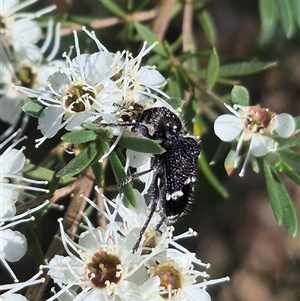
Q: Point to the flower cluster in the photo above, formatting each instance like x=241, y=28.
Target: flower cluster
x=255, y=126
x=103, y=265
x=22, y=61
x=13, y=244
x=103, y=86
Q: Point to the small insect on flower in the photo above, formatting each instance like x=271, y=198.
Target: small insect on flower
x=174, y=170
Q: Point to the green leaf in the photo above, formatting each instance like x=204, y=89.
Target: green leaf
x=33, y=242
x=77, y=137
x=290, y=158
x=114, y=8
x=267, y=10
x=296, y=10
x=288, y=170
x=240, y=95
x=38, y=173
x=254, y=164
x=289, y=142
x=181, y=77
x=280, y=200
x=208, y=26
x=211, y=178
x=91, y=153
x=222, y=149
x=147, y=35
x=286, y=17
x=141, y=145
x=120, y=175
x=173, y=88
x=297, y=121
x=244, y=68
x=175, y=102
x=212, y=70
x=229, y=163
x=33, y=108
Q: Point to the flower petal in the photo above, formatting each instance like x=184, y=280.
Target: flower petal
x=13, y=245
x=49, y=123
x=283, y=124
x=228, y=127
x=260, y=145
x=150, y=78
x=8, y=197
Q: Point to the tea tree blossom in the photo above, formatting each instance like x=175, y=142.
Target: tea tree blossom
x=26, y=74
x=12, y=161
x=22, y=61
x=103, y=265
x=13, y=244
x=255, y=127
x=19, y=31
x=102, y=86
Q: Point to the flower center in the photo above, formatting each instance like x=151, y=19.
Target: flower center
x=170, y=278
x=26, y=76
x=78, y=97
x=258, y=118
x=103, y=267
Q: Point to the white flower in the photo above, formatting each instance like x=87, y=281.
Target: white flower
x=29, y=75
x=133, y=219
x=19, y=32
x=99, y=263
x=73, y=94
x=13, y=244
x=254, y=125
x=135, y=83
x=102, y=264
x=12, y=162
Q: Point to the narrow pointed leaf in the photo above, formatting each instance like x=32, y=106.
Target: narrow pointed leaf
x=91, y=153
x=114, y=8
x=211, y=178
x=280, y=200
x=212, y=70
x=289, y=142
x=118, y=169
x=208, y=26
x=295, y=4
x=148, y=36
x=291, y=158
x=141, y=145
x=288, y=170
x=79, y=137
x=267, y=10
x=244, y=68
x=286, y=17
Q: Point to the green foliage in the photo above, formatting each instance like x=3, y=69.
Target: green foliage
x=212, y=70
x=141, y=145
x=240, y=95
x=33, y=108
x=281, y=203
x=118, y=169
x=79, y=136
x=283, y=12
x=95, y=150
